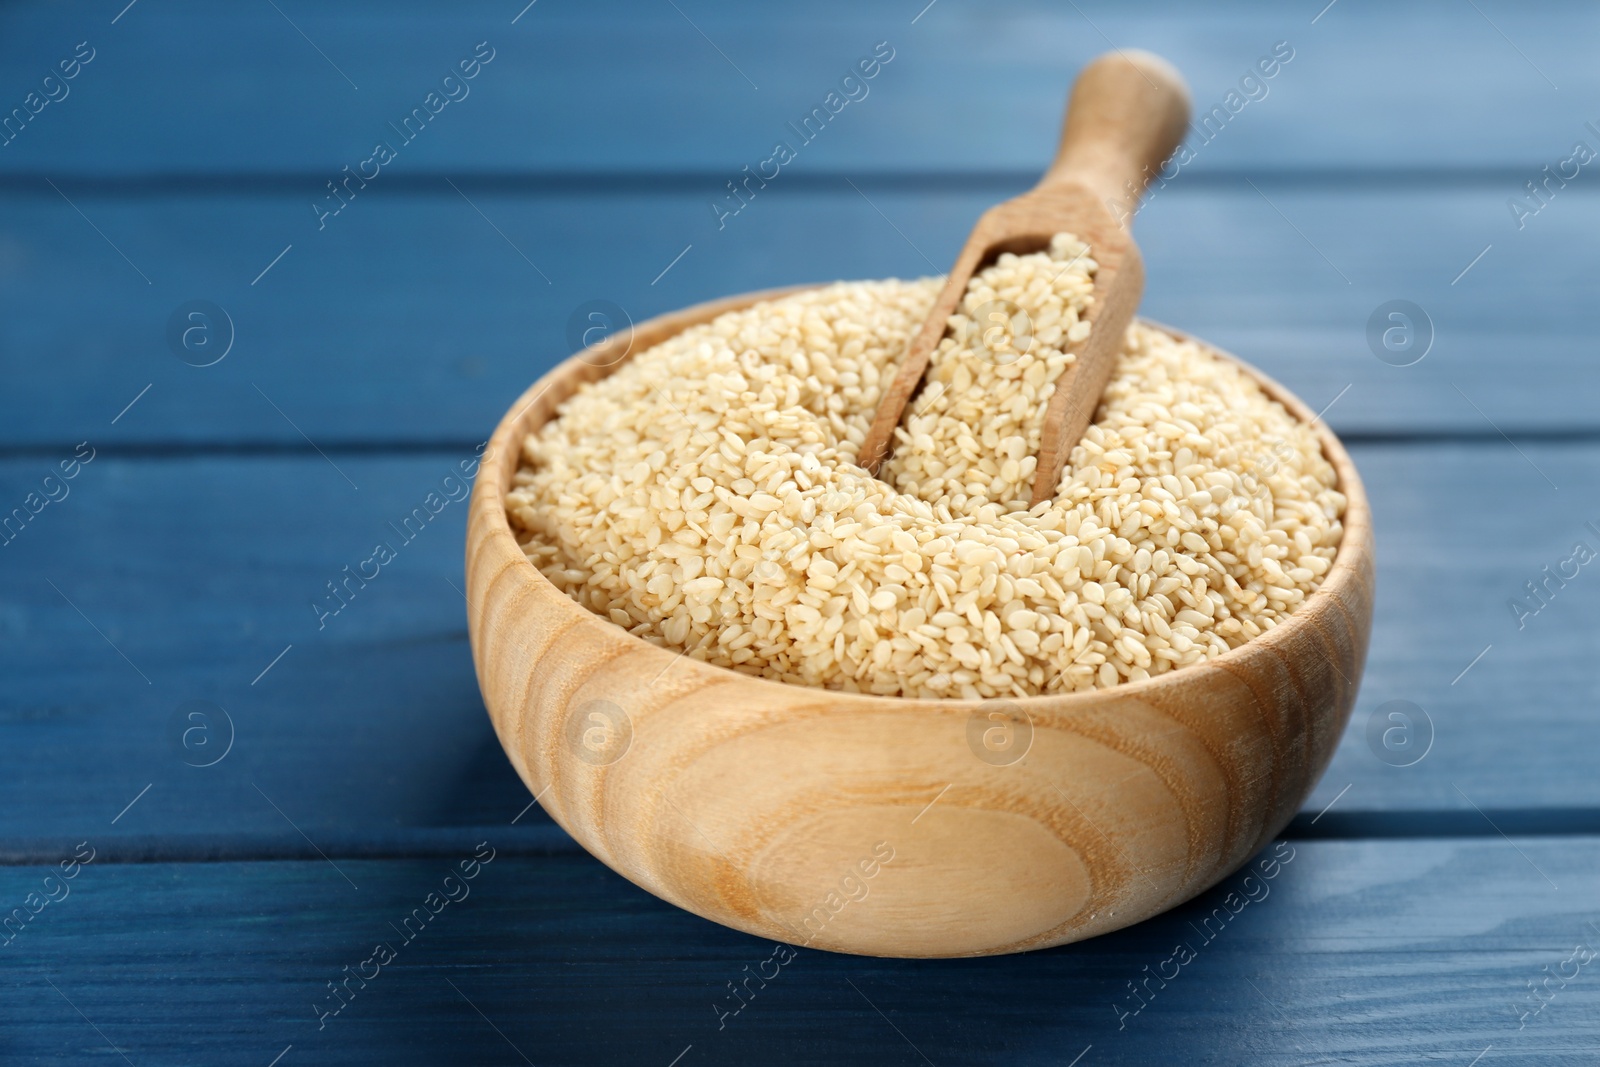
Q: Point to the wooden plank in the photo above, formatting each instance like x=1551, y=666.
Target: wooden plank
x=410, y=318
x=1462, y=530
x=190, y=87
x=201, y=571
x=370, y=722
x=1353, y=952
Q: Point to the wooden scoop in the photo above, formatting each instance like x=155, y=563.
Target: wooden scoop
x=1127, y=114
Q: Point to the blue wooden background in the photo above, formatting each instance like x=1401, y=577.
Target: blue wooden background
x=1444, y=911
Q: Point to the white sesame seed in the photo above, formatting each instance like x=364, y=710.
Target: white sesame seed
x=705, y=496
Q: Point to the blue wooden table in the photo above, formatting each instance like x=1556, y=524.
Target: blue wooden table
x=237, y=341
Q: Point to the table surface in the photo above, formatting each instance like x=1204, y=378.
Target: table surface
x=265, y=799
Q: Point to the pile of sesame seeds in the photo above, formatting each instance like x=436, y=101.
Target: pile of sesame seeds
x=705, y=497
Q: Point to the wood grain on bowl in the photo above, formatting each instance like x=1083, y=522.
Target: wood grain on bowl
x=890, y=826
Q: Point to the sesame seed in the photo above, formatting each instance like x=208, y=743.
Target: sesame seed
x=705, y=496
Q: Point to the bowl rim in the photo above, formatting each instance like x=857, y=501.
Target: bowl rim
x=504, y=450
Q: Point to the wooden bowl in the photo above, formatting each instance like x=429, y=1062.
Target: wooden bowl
x=897, y=827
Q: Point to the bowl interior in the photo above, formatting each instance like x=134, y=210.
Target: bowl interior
x=539, y=404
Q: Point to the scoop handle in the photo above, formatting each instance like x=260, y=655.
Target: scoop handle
x=1127, y=115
